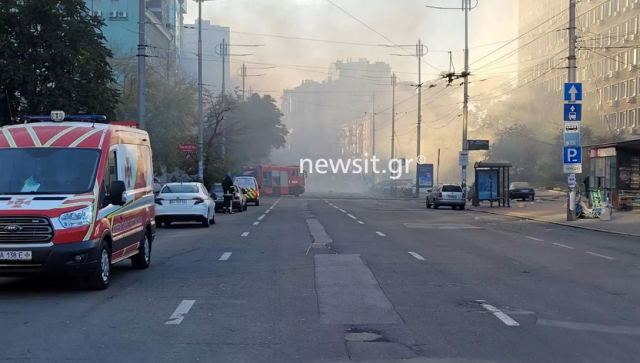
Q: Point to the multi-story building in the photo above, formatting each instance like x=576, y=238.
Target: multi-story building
x=163, y=26
x=608, y=40
x=213, y=66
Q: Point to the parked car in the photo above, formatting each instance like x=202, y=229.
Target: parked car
x=250, y=187
x=448, y=195
x=217, y=194
x=184, y=202
x=239, y=199
x=76, y=205
x=521, y=190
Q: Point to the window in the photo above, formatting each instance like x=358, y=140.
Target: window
x=622, y=120
x=607, y=94
x=614, y=92
x=623, y=89
x=631, y=121
x=631, y=88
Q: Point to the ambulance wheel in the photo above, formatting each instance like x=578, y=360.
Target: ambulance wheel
x=142, y=260
x=100, y=277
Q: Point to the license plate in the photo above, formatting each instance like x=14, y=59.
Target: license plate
x=15, y=255
x=178, y=201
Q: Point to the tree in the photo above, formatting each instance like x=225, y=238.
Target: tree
x=53, y=56
x=240, y=133
x=170, y=113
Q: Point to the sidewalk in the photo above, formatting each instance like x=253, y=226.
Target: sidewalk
x=551, y=207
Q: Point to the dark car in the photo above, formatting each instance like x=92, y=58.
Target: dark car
x=217, y=194
x=521, y=190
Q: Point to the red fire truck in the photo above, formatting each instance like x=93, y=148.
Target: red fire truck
x=277, y=179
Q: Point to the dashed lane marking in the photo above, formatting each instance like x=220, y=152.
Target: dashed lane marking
x=178, y=315
x=416, y=256
x=244, y=234
x=380, y=234
x=261, y=217
x=256, y=223
x=535, y=239
x=599, y=255
x=506, y=319
x=225, y=256
x=351, y=216
x=562, y=245
x=361, y=222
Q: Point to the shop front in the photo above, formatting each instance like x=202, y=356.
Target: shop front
x=614, y=173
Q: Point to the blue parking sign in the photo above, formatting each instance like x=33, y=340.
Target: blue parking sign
x=573, y=112
x=572, y=155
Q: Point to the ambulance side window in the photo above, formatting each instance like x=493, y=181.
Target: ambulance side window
x=110, y=175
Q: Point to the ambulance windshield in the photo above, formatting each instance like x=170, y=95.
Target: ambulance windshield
x=48, y=170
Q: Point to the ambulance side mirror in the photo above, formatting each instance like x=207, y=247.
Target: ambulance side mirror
x=116, y=194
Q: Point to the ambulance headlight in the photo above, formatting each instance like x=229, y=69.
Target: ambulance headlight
x=77, y=218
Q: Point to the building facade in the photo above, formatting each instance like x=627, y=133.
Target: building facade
x=163, y=28
x=607, y=57
x=214, y=70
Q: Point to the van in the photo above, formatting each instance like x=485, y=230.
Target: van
x=76, y=196
x=250, y=187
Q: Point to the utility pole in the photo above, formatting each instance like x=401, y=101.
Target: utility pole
x=223, y=53
x=373, y=124
x=419, y=54
x=393, y=115
x=465, y=107
x=438, y=168
x=393, y=126
x=141, y=61
x=243, y=74
x=200, y=120
x=572, y=78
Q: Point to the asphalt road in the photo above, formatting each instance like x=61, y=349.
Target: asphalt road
x=333, y=280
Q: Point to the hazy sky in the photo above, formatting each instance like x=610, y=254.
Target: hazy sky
x=402, y=21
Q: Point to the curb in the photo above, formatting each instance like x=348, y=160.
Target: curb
x=556, y=223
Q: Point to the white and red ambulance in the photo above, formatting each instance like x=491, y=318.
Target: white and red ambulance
x=76, y=195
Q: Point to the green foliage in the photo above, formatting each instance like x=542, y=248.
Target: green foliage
x=53, y=56
x=169, y=116
x=240, y=134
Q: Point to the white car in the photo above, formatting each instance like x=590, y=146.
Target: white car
x=184, y=202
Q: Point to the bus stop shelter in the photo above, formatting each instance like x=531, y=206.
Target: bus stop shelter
x=491, y=183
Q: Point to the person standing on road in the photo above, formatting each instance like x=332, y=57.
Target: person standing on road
x=227, y=188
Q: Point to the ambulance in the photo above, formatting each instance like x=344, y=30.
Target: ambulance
x=76, y=196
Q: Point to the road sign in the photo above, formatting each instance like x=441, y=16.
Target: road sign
x=464, y=158
x=571, y=139
x=188, y=148
x=477, y=144
x=572, y=155
x=572, y=168
x=571, y=181
x=572, y=127
x=573, y=92
x=425, y=175
x=572, y=112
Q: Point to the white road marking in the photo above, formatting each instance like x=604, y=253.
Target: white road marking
x=256, y=223
x=535, y=239
x=599, y=255
x=267, y=211
x=225, y=256
x=361, y=222
x=342, y=210
x=506, y=319
x=417, y=256
x=381, y=234
x=564, y=246
x=244, y=234
x=178, y=315
x=351, y=216
x=261, y=217
x=613, y=329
